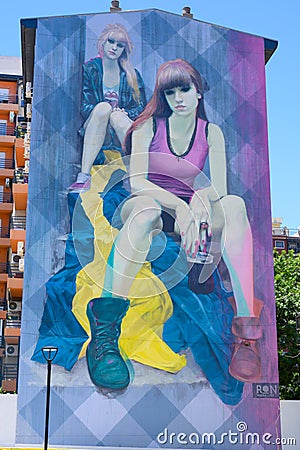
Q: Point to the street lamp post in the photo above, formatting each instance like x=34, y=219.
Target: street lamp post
x=49, y=354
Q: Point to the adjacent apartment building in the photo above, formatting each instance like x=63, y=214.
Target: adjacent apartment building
x=15, y=118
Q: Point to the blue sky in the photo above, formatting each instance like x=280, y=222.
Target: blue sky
x=273, y=19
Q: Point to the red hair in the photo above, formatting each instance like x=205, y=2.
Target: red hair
x=171, y=74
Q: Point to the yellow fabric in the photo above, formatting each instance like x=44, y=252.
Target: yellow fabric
x=150, y=303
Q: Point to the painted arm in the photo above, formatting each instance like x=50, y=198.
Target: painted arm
x=90, y=91
x=212, y=191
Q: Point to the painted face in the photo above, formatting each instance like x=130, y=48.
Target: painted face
x=183, y=100
x=113, y=49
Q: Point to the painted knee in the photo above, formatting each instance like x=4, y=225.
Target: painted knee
x=102, y=111
x=118, y=118
x=146, y=214
x=235, y=209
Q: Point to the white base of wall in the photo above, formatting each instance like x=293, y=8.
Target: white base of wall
x=8, y=418
x=290, y=413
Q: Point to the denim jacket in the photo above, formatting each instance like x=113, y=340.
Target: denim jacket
x=92, y=92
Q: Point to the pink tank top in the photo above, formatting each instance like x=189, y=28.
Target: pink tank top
x=170, y=172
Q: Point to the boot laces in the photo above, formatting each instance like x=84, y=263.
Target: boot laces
x=106, y=338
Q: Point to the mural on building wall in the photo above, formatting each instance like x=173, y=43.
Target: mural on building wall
x=159, y=279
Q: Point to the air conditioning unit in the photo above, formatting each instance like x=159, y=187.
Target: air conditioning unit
x=21, y=265
x=14, y=306
x=7, y=183
x=15, y=258
x=20, y=248
x=11, y=350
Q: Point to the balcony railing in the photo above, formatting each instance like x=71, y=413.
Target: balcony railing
x=6, y=197
x=10, y=371
x=4, y=267
x=20, y=176
x=4, y=231
x=7, y=163
x=14, y=270
x=7, y=129
x=2, y=342
x=3, y=304
x=18, y=223
x=13, y=320
x=8, y=98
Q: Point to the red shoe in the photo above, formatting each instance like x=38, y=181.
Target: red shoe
x=245, y=363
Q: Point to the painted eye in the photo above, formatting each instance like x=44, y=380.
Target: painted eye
x=111, y=41
x=185, y=88
x=170, y=92
x=120, y=45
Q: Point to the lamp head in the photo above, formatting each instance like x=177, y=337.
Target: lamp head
x=49, y=352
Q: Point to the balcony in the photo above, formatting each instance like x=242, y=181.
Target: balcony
x=9, y=377
x=4, y=232
x=2, y=346
x=3, y=304
x=4, y=267
x=6, y=201
x=20, y=152
x=20, y=194
x=14, y=270
x=12, y=330
x=9, y=98
x=13, y=320
x=18, y=223
x=17, y=231
x=7, y=129
x=15, y=286
x=6, y=168
x=21, y=176
x=3, y=308
x=4, y=237
x=7, y=163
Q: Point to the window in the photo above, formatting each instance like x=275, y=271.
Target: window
x=4, y=95
x=279, y=244
x=3, y=125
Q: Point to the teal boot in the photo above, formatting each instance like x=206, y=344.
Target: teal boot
x=106, y=366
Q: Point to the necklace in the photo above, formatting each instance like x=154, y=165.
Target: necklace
x=191, y=143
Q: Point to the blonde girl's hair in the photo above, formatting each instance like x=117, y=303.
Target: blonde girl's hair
x=119, y=33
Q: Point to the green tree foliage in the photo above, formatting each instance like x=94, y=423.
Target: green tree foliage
x=287, y=294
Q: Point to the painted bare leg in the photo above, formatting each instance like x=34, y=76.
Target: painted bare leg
x=94, y=135
x=236, y=241
x=238, y=255
x=141, y=215
x=120, y=122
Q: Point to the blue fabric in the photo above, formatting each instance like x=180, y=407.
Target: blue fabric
x=59, y=326
x=201, y=322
